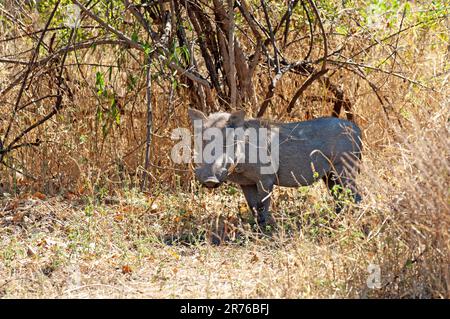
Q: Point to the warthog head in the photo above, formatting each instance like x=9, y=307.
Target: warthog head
x=217, y=151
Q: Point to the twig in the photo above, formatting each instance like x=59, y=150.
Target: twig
x=361, y=74
x=398, y=75
x=311, y=32
x=11, y=61
x=269, y=95
x=271, y=37
x=138, y=16
x=108, y=27
x=242, y=5
x=339, y=100
x=310, y=80
x=395, y=51
x=194, y=18
x=278, y=74
x=34, y=179
x=33, y=126
x=37, y=100
x=27, y=34
x=231, y=54
x=393, y=35
x=288, y=14
x=324, y=35
x=149, y=120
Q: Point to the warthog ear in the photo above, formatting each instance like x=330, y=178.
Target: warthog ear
x=236, y=118
x=196, y=115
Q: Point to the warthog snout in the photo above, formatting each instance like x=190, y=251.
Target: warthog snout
x=211, y=182
x=211, y=176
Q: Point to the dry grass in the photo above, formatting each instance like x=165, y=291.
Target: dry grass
x=93, y=235
x=140, y=246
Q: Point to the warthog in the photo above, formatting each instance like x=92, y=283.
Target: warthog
x=325, y=148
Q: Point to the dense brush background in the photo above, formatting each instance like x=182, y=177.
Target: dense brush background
x=75, y=220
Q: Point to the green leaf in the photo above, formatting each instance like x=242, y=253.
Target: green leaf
x=147, y=48
x=409, y=263
x=115, y=112
x=100, y=83
x=135, y=37
x=131, y=82
x=110, y=73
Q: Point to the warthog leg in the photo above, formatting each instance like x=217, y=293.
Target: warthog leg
x=258, y=199
x=344, y=181
x=251, y=195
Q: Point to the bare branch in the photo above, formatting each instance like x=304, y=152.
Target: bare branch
x=139, y=17
x=11, y=61
x=310, y=80
x=148, y=91
x=272, y=37
x=271, y=90
x=324, y=35
x=370, y=67
x=311, y=32
x=54, y=55
x=233, y=89
x=108, y=27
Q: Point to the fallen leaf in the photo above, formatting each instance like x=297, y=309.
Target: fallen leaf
x=126, y=269
x=12, y=205
x=154, y=207
x=70, y=196
x=50, y=244
x=243, y=208
x=244, y=211
x=254, y=259
x=174, y=254
x=119, y=217
x=38, y=195
x=80, y=190
x=30, y=251
x=42, y=243
x=126, y=209
x=18, y=217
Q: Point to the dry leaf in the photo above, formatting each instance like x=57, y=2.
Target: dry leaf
x=243, y=208
x=81, y=190
x=42, y=243
x=50, y=243
x=126, y=209
x=12, y=205
x=154, y=207
x=30, y=251
x=126, y=269
x=70, y=196
x=119, y=217
x=174, y=254
x=18, y=217
x=38, y=195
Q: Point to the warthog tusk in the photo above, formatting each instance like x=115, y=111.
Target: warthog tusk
x=232, y=168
